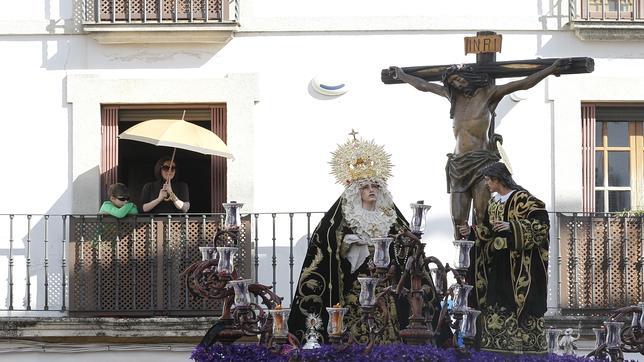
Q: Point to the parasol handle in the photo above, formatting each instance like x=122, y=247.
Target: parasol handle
x=174, y=151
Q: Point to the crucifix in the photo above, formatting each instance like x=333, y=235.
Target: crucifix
x=474, y=96
x=353, y=133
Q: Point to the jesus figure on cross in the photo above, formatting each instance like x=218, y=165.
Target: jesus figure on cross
x=474, y=98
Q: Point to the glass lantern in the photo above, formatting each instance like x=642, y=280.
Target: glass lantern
x=418, y=216
x=335, y=327
x=612, y=334
x=226, y=263
x=552, y=337
x=600, y=336
x=635, y=322
x=381, y=257
x=232, y=214
x=440, y=279
x=368, y=291
x=468, y=327
x=280, y=319
x=462, y=256
x=242, y=296
x=208, y=253
x=461, y=292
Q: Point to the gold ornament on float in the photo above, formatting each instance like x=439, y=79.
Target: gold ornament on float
x=358, y=159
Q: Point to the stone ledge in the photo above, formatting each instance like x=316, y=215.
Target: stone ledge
x=107, y=330
x=608, y=30
x=574, y=321
x=161, y=33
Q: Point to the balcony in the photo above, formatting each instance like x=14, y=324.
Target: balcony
x=608, y=20
x=95, y=277
x=91, y=275
x=601, y=264
x=160, y=21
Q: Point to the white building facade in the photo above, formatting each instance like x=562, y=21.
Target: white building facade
x=62, y=69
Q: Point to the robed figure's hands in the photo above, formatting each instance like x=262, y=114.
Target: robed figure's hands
x=355, y=249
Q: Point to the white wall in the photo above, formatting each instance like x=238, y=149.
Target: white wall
x=282, y=133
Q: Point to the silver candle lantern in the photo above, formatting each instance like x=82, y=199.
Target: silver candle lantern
x=368, y=291
x=242, y=296
x=461, y=292
x=226, y=263
x=232, y=214
x=552, y=338
x=208, y=253
x=600, y=336
x=468, y=327
x=440, y=279
x=462, y=253
x=612, y=334
x=335, y=327
x=280, y=319
x=418, y=217
x=381, y=257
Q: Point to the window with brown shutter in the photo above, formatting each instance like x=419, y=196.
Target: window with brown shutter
x=132, y=162
x=613, y=157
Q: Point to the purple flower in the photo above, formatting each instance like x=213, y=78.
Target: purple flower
x=356, y=353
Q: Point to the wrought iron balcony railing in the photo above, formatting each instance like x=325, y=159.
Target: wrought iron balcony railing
x=89, y=265
x=93, y=265
x=601, y=262
x=160, y=11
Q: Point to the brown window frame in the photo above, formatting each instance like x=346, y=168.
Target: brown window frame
x=109, y=146
x=590, y=149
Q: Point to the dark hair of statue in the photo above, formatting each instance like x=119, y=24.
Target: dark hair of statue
x=474, y=81
x=498, y=171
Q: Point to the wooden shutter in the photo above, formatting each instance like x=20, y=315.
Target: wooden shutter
x=218, y=164
x=109, y=148
x=588, y=156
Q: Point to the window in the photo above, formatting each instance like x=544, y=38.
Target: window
x=613, y=137
x=132, y=162
x=611, y=9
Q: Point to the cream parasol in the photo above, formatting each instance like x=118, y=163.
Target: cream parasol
x=178, y=133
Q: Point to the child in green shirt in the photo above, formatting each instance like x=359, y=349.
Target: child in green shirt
x=119, y=204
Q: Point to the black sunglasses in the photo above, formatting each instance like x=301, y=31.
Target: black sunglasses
x=168, y=168
x=125, y=198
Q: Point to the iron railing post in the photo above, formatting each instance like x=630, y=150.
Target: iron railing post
x=274, y=257
x=46, y=263
x=63, y=264
x=290, y=259
x=28, y=262
x=11, y=262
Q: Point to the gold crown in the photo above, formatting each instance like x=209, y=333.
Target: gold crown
x=358, y=159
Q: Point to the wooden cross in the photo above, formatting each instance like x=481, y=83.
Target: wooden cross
x=473, y=103
x=486, y=63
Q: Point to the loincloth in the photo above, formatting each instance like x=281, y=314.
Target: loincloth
x=464, y=170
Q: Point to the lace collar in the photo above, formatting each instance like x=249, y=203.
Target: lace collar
x=502, y=198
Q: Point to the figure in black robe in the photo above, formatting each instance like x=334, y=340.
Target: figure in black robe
x=510, y=269
x=327, y=278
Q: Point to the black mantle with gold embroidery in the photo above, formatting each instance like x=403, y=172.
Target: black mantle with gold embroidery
x=326, y=277
x=510, y=274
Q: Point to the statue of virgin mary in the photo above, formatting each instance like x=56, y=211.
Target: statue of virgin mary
x=339, y=249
